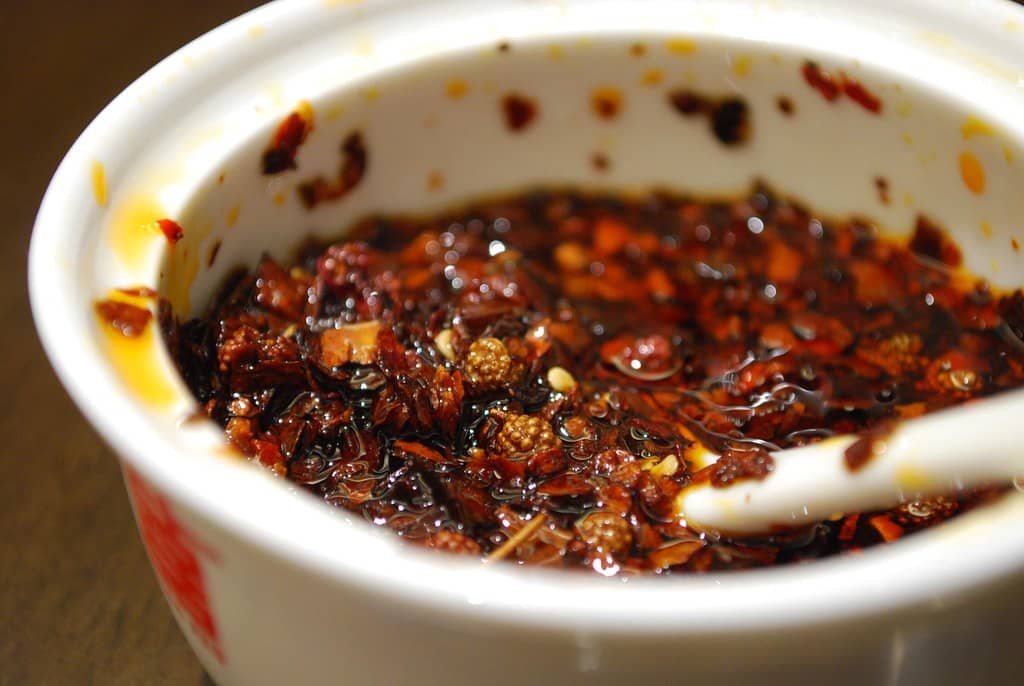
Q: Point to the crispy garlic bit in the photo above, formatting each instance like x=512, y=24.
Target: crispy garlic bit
x=443, y=341
x=666, y=467
x=350, y=343
x=561, y=380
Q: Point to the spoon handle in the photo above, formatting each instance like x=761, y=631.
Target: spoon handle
x=972, y=445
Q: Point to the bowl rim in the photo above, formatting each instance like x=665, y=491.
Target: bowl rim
x=729, y=602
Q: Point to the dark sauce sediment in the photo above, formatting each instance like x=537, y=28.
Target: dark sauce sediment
x=528, y=377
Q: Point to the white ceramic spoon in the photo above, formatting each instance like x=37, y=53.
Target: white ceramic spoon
x=975, y=444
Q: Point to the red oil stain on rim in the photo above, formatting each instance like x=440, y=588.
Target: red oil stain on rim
x=174, y=553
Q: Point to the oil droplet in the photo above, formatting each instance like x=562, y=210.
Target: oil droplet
x=937, y=38
x=681, y=46
x=606, y=102
x=99, y=183
x=186, y=263
x=986, y=229
x=133, y=232
x=435, y=180
x=233, y=213
x=205, y=136
x=652, y=77
x=364, y=46
x=279, y=198
x=973, y=126
x=1008, y=154
x=972, y=172
x=371, y=94
x=305, y=110
x=456, y=88
x=920, y=509
x=555, y=51
x=907, y=138
x=334, y=112
x=911, y=477
x=741, y=65
x=256, y=31
x=137, y=359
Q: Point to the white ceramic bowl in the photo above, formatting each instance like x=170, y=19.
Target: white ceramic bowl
x=271, y=586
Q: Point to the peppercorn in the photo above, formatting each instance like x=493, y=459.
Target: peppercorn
x=921, y=513
x=953, y=374
x=488, y=366
x=895, y=354
x=453, y=542
x=605, y=533
x=523, y=434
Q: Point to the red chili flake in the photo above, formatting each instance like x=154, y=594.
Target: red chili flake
x=138, y=292
x=606, y=102
x=412, y=449
x=1015, y=245
x=212, y=256
x=821, y=81
x=886, y=528
x=729, y=117
x=736, y=465
x=171, y=229
x=600, y=162
x=610, y=236
x=355, y=161
x=856, y=91
x=849, y=528
x=882, y=186
x=128, y=319
x=860, y=452
x=688, y=103
x=290, y=134
x=730, y=121
x=520, y=111
x=932, y=242
x=785, y=105
x=567, y=484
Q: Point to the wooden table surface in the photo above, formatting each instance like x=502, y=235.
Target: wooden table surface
x=78, y=602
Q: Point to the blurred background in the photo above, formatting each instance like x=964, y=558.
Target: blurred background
x=78, y=602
